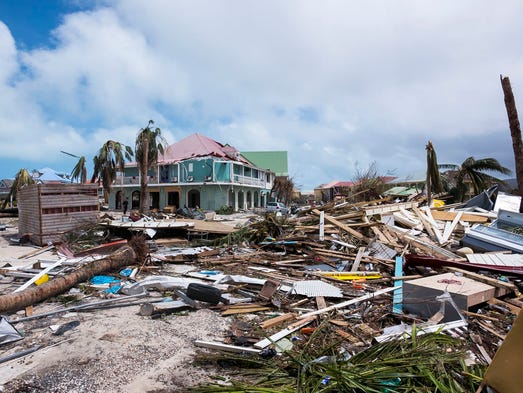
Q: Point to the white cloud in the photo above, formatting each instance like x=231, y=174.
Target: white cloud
x=335, y=83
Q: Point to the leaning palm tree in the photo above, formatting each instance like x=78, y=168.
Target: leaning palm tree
x=149, y=145
x=22, y=179
x=110, y=159
x=476, y=172
x=79, y=171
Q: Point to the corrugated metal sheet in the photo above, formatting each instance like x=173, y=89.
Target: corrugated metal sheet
x=313, y=288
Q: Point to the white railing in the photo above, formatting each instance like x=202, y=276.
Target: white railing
x=249, y=180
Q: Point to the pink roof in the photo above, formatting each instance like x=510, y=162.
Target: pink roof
x=197, y=145
x=337, y=183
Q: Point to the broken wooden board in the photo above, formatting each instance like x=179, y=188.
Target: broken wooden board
x=285, y=332
x=269, y=323
x=450, y=216
x=357, y=260
x=226, y=347
x=342, y=226
x=244, y=310
x=504, y=373
x=348, y=302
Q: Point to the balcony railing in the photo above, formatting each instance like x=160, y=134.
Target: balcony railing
x=249, y=180
x=238, y=179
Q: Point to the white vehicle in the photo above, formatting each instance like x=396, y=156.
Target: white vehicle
x=276, y=207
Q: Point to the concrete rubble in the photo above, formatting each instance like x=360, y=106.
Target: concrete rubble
x=355, y=275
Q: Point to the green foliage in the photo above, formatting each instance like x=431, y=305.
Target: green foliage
x=256, y=232
x=225, y=210
x=79, y=172
x=427, y=363
x=474, y=171
x=148, y=146
x=110, y=159
x=22, y=179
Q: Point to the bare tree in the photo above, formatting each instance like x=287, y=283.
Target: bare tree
x=282, y=189
x=515, y=132
x=367, y=184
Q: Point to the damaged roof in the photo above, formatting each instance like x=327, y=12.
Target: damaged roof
x=197, y=145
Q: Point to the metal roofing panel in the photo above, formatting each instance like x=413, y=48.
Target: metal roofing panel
x=313, y=288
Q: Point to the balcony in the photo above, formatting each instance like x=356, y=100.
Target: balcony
x=250, y=181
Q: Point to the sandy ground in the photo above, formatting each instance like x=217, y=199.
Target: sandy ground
x=111, y=350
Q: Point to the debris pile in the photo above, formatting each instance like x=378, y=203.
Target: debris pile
x=375, y=296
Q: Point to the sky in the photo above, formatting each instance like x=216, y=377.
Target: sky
x=340, y=85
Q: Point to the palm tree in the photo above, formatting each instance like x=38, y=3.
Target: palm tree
x=79, y=171
x=110, y=159
x=474, y=171
x=433, y=175
x=149, y=144
x=22, y=179
x=515, y=132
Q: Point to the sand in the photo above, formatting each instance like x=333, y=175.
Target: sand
x=111, y=350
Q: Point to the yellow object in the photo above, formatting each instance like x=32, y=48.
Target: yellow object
x=438, y=203
x=351, y=275
x=42, y=280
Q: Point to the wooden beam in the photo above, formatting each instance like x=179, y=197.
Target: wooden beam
x=450, y=216
x=342, y=226
x=487, y=280
x=349, y=302
x=269, y=323
x=226, y=347
x=357, y=261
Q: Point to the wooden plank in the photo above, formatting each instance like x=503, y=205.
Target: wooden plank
x=269, y=323
x=38, y=276
x=320, y=302
x=389, y=208
x=357, y=260
x=244, y=310
x=226, y=347
x=513, y=309
x=349, y=302
x=397, y=300
x=285, y=332
x=492, y=331
x=342, y=226
x=430, y=225
x=450, y=216
x=508, y=287
x=338, y=322
x=448, y=230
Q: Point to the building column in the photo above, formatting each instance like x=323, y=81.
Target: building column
x=235, y=193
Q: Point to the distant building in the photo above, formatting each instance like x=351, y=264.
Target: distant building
x=275, y=161
x=200, y=172
x=5, y=189
x=50, y=176
x=336, y=189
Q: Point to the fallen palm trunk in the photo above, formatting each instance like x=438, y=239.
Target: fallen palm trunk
x=18, y=300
